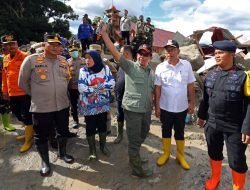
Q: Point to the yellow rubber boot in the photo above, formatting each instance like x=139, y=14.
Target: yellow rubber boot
x=20, y=137
x=28, y=138
x=213, y=182
x=166, y=143
x=180, y=154
x=239, y=180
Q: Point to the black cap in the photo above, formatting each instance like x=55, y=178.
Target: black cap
x=172, y=43
x=52, y=38
x=148, y=19
x=146, y=48
x=7, y=39
x=225, y=45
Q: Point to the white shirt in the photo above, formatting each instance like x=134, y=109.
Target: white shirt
x=125, y=24
x=173, y=81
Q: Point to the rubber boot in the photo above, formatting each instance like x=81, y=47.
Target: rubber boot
x=75, y=124
x=92, y=148
x=6, y=122
x=180, y=154
x=20, y=137
x=62, y=142
x=238, y=180
x=119, y=132
x=213, y=182
x=166, y=143
x=108, y=123
x=137, y=170
x=28, y=133
x=44, y=154
x=103, y=147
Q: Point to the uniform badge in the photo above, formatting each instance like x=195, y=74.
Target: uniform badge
x=39, y=59
x=43, y=76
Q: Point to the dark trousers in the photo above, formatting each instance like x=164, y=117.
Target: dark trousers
x=170, y=120
x=4, y=106
x=126, y=37
x=85, y=44
x=94, y=122
x=235, y=148
x=120, y=113
x=20, y=106
x=74, y=97
x=44, y=122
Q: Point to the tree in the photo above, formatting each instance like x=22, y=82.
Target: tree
x=133, y=19
x=28, y=20
x=96, y=19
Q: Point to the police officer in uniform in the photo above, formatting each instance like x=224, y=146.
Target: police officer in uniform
x=45, y=77
x=137, y=101
x=226, y=109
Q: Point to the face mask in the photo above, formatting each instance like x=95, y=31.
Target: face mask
x=74, y=54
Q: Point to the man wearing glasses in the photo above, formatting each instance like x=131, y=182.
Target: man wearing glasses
x=137, y=100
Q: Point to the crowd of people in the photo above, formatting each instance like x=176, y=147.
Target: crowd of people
x=43, y=89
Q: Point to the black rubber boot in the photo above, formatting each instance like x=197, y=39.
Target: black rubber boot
x=92, y=148
x=62, y=142
x=75, y=124
x=44, y=154
x=103, y=147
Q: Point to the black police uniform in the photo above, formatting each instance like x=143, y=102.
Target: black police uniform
x=224, y=106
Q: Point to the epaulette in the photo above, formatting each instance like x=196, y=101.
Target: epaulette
x=240, y=66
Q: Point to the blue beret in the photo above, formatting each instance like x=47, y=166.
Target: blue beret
x=225, y=45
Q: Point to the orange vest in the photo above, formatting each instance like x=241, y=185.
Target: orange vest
x=10, y=73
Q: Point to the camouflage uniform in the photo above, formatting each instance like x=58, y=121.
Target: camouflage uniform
x=149, y=29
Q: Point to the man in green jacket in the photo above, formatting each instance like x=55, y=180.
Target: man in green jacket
x=137, y=100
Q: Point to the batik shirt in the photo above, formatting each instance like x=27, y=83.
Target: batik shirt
x=94, y=91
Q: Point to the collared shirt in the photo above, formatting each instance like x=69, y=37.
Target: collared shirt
x=46, y=81
x=139, y=86
x=125, y=24
x=174, y=81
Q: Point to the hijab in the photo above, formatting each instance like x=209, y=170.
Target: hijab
x=98, y=64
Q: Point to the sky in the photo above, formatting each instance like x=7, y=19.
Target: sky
x=183, y=16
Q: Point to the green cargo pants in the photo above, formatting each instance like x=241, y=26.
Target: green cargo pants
x=137, y=127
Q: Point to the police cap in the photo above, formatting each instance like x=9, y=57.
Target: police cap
x=225, y=45
x=52, y=38
x=7, y=39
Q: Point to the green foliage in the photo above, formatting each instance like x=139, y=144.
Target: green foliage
x=96, y=19
x=28, y=20
x=134, y=19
